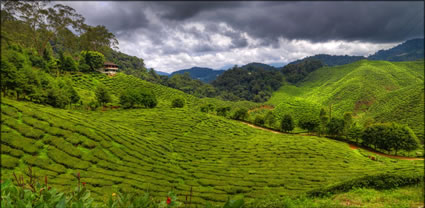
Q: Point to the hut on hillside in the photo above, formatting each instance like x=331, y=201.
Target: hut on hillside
x=109, y=68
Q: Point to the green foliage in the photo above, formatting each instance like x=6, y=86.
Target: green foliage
x=270, y=119
x=102, y=94
x=335, y=127
x=92, y=59
x=259, y=120
x=355, y=132
x=67, y=63
x=252, y=84
x=207, y=108
x=222, y=111
x=295, y=72
x=98, y=38
x=188, y=85
x=135, y=149
x=373, y=91
x=130, y=97
x=240, y=114
x=177, y=103
x=287, y=123
x=376, y=181
x=348, y=122
x=387, y=136
x=323, y=116
x=310, y=124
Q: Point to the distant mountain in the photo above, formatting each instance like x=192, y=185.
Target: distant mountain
x=408, y=51
x=277, y=65
x=331, y=60
x=255, y=65
x=162, y=73
x=203, y=74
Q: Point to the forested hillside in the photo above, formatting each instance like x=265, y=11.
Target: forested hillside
x=252, y=84
x=410, y=50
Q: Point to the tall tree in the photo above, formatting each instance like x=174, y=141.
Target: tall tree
x=97, y=38
x=323, y=116
x=102, y=94
x=46, y=22
x=335, y=127
x=287, y=123
x=94, y=60
x=348, y=121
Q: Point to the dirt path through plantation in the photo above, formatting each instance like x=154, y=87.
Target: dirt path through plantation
x=352, y=146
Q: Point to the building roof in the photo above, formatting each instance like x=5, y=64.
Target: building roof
x=109, y=63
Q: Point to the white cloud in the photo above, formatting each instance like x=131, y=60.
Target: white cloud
x=286, y=51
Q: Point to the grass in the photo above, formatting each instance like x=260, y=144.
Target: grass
x=163, y=149
x=405, y=197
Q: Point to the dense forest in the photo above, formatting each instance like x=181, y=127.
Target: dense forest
x=331, y=60
x=250, y=84
x=297, y=71
x=408, y=51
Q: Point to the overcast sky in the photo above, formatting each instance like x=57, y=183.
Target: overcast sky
x=177, y=35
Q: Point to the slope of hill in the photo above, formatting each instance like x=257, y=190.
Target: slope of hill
x=331, y=60
x=86, y=84
x=203, y=74
x=162, y=73
x=360, y=87
x=410, y=50
x=144, y=150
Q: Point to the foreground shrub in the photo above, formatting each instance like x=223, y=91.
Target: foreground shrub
x=380, y=181
x=32, y=193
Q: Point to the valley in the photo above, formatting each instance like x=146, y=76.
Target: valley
x=337, y=121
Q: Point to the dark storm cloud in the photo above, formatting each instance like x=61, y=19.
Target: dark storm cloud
x=267, y=21
x=178, y=11
x=315, y=21
x=182, y=34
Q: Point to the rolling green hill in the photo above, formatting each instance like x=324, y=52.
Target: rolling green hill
x=144, y=150
x=379, y=90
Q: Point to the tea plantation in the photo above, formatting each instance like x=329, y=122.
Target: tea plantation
x=162, y=149
x=377, y=91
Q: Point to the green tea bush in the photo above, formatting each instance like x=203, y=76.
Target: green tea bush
x=379, y=181
x=10, y=111
x=177, y=103
x=8, y=161
x=17, y=141
x=11, y=151
x=69, y=161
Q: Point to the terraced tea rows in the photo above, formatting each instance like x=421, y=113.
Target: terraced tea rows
x=372, y=90
x=160, y=149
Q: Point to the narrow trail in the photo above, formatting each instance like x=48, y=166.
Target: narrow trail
x=352, y=146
